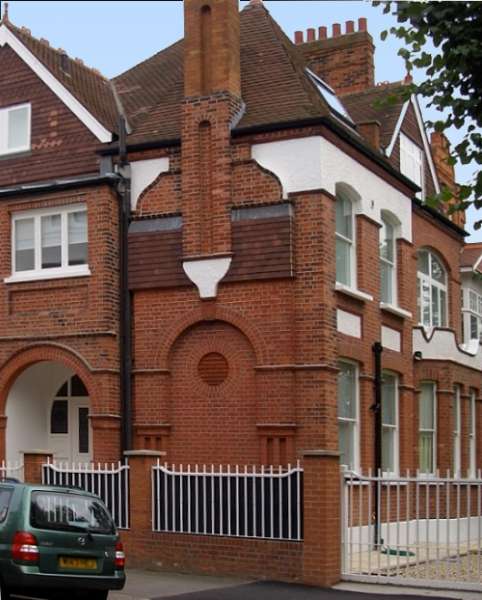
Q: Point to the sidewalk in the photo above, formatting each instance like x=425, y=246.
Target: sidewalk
x=150, y=585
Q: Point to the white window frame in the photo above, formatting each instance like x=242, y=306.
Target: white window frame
x=412, y=162
x=396, y=427
x=456, y=431
x=472, y=432
x=431, y=282
x=471, y=297
x=37, y=272
x=433, y=431
x=4, y=129
x=391, y=264
x=356, y=421
x=352, y=280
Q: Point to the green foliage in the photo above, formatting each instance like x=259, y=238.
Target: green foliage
x=453, y=82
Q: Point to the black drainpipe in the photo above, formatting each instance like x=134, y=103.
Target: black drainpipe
x=377, y=349
x=125, y=318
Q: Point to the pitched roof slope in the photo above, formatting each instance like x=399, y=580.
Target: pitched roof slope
x=90, y=88
x=372, y=105
x=274, y=85
x=470, y=256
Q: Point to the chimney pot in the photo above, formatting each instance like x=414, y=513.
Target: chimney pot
x=350, y=26
x=362, y=24
x=322, y=33
x=336, y=29
x=299, y=37
x=310, y=34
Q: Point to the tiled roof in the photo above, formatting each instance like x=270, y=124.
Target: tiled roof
x=274, y=85
x=89, y=87
x=470, y=255
x=371, y=105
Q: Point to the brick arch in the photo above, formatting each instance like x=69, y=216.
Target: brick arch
x=47, y=352
x=216, y=314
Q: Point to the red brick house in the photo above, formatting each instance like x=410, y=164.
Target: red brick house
x=277, y=241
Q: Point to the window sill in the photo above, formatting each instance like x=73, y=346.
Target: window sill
x=352, y=292
x=64, y=274
x=396, y=310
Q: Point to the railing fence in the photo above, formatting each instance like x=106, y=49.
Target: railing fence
x=14, y=470
x=108, y=481
x=412, y=530
x=251, y=502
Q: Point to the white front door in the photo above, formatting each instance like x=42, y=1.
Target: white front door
x=70, y=433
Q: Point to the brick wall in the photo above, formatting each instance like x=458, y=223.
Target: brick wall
x=60, y=145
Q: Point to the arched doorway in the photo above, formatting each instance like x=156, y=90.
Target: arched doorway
x=48, y=408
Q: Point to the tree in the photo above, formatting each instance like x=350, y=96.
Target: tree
x=453, y=73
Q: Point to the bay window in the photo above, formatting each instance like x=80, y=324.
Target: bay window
x=427, y=428
x=348, y=415
x=49, y=243
x=431, y=290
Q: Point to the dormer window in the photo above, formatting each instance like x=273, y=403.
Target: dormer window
x=15, y=129
x=411, y=162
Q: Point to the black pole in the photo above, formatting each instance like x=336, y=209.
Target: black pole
x=125, y=321
x=377, y=409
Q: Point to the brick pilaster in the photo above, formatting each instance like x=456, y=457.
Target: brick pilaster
x=322, y=514
x=33, y=461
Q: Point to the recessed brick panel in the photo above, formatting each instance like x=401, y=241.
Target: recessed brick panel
x=213, y=368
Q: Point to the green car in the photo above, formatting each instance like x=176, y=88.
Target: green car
x=57, y=543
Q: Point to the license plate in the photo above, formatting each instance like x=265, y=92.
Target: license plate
x=82, y=564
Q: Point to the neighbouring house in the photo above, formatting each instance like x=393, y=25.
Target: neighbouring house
x=207, y=255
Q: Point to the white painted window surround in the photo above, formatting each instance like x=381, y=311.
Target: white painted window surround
x=345, y=233
x=348, y=415
x=472, y=415
x=412, y=161
x=472, y=314
x=432, y=286
x=49, y=244
x=15, y=129
x=457, y=425
x=427, y=445
x=390, y=427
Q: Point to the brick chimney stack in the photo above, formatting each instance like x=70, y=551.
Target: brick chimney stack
x=211, y=47
x=445, y=172
x=345, y=60
x=211, y=106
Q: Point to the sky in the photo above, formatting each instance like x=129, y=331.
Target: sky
x=113, y=36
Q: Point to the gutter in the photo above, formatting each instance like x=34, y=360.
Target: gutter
x=441, y=217
x=58, y=185
x=150, y=145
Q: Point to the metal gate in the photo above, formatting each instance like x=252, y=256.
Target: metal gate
x=413, y=530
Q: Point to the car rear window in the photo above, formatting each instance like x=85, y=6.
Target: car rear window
x=69, y=512
x=5, y=498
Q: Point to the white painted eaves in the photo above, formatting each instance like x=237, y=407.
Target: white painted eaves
x=78, y=109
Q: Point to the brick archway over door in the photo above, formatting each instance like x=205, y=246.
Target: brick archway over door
x=213, y=396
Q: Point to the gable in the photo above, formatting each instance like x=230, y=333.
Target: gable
x=61, y=145
x=410, y=123
x=8, y=38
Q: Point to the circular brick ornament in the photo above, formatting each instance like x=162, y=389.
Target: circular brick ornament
x=213, y=368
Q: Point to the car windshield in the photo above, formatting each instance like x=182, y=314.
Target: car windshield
x=69, y=512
